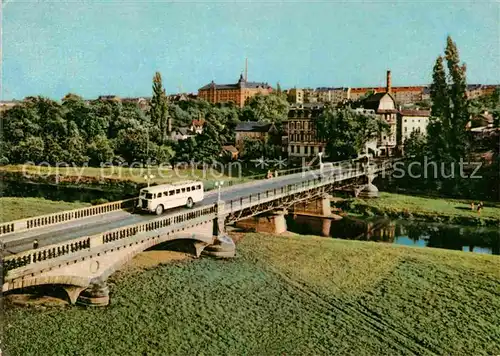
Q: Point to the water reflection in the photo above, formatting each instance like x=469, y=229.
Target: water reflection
x=422, y=234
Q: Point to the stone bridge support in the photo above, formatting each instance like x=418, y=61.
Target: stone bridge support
x=369, y=190
x=273, y=222
x=316, y=214
x=223, y=246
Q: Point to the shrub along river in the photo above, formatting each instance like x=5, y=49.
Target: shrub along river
x=413, y=233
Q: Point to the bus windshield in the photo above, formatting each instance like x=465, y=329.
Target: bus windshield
x=149, y=196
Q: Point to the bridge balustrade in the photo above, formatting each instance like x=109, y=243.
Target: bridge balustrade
x=53, y=251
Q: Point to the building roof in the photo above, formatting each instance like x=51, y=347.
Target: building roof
x=242, y=83
x=254, y=126
x=199, y=122
x=425, y=113
x=373, y=102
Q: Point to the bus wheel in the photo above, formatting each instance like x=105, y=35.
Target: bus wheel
x=190, y=203
x=159, y=209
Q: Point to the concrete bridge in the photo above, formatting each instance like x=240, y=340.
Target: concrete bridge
x=80, y=249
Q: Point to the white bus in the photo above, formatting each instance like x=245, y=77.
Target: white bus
x=158, y=198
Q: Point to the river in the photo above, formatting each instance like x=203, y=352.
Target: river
x=414, y=233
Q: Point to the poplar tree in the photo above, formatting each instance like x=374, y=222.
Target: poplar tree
x=447, y=136
x=459, y=113
x=159, y=108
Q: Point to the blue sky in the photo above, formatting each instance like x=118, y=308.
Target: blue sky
x=114, y=47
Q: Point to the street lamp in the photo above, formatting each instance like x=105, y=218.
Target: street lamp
x=148, y=177
x=219, y=186
x=320, y=154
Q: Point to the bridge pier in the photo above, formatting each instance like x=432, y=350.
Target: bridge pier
x=223, y=246
x=73, y=293
x=369, y=190
x=96, y=295
x=316, y=214
x=271, y=222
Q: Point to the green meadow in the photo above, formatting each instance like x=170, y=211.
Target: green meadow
x=281, y=295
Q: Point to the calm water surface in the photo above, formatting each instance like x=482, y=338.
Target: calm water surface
x=411, y=233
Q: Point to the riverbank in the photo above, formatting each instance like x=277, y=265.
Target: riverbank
x=290, y=295
x=21, y=208
x=401, y=206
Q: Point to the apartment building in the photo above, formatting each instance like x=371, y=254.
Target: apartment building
x=303, y=140
x=410, y=121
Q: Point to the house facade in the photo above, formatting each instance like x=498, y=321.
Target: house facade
x=410, y=121
x=302, y=134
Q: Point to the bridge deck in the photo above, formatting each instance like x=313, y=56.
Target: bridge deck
x=23, y=240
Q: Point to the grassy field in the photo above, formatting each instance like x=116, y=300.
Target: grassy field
x=161, y=175
x=20, y=208
x=447, y=210
x=282, y=296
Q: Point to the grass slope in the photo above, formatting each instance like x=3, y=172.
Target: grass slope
x=399, y=205
x=20, y=208
x=283, y=296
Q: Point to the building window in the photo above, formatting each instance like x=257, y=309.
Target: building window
x=292, y=149
x=306, y=149
x=406, y=129
x=320, y=149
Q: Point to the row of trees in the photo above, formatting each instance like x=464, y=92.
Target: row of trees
x=75, y=131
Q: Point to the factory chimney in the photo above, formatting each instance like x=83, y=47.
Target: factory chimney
x=389, y=83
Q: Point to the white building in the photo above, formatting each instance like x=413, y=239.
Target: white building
x=410, y=121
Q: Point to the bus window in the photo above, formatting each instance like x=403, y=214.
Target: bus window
x=177, y=191
x=171, y=192
x=193, y=187
x=199, y=187
x=188, y=189
x=184, y=190
x=158, y=195
x=149, y=196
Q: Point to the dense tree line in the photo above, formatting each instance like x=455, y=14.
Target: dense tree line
x=79, y=132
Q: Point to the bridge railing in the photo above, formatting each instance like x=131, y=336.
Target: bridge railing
x=64, y=216
x=53, y=251
x=239, y=204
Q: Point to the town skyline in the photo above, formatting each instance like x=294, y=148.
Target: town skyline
x=94, y=50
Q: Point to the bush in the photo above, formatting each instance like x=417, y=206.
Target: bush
x=4, y=161
x=99, y=201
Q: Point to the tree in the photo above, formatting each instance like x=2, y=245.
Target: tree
x=267, y=108
x=347, y=132
x=415, y=144
x=447, y=136
x=159, y=109
x=99, y=150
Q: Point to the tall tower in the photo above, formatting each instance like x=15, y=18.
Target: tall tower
x=388, y=82
x=246, y=69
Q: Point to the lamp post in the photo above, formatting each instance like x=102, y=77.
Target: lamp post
x=219, y=186
x=320, y=154
x=148, y=178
